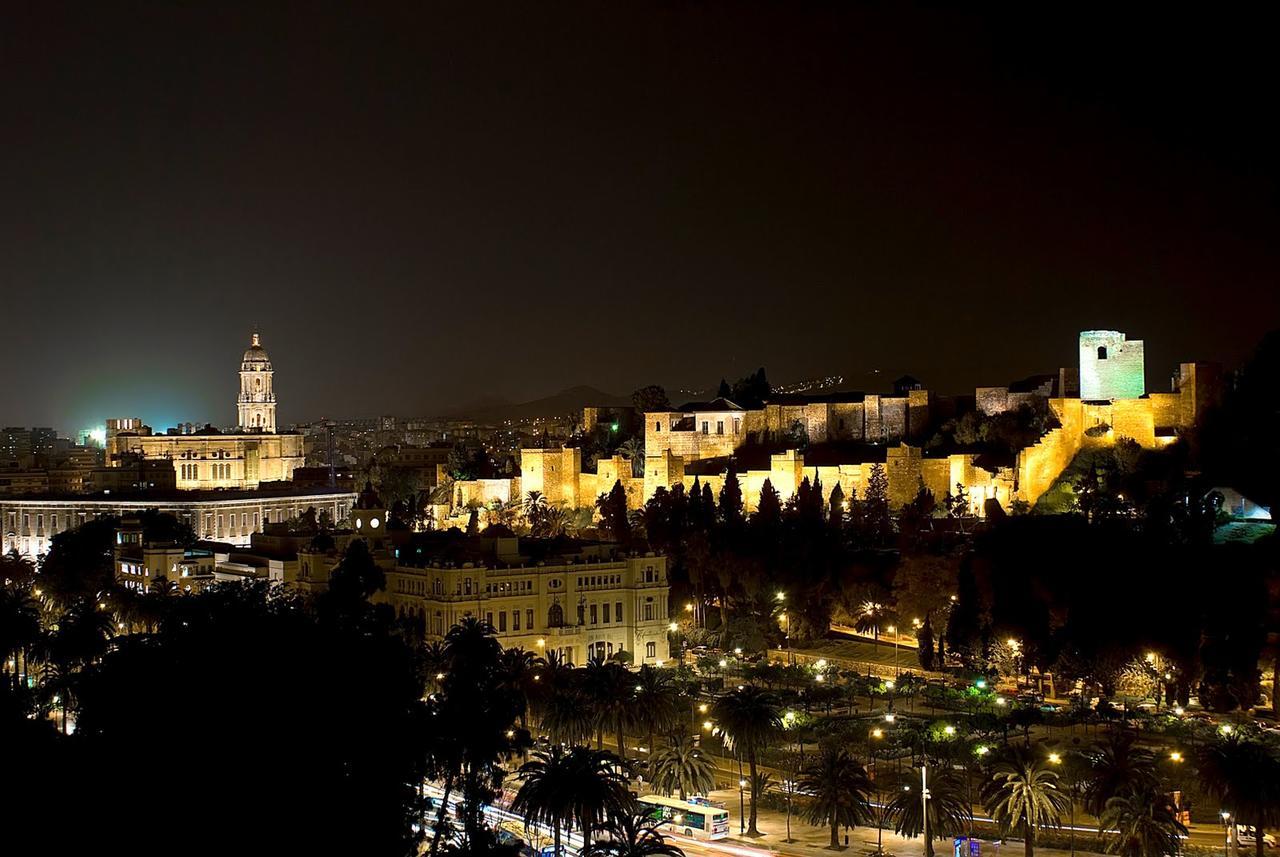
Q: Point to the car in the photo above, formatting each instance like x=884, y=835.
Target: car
x=1247, y=836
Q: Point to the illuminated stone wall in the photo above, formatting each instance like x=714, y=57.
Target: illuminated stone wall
x=553, y=473
x=874, y=418
x=205, y=461
x=1111, y=367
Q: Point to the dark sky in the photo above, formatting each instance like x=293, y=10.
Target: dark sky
x=421, y=206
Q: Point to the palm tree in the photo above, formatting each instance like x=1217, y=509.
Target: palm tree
x=682, y=767
x=544, y=796
x=633, y=450
x=748, y=718
x=611, y=691
x=632, y=834
x=1116, y=768
x=516, y=669
x=1245, y=777
x=579, y=785
x=874, y=617
x=567, y=717
x=948, y=811
x=1146, y=823
x=655, y=703
x=19, y=631
x=839, y=786
x=1023, y=793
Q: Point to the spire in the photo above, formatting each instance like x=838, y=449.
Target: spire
x=257, y=342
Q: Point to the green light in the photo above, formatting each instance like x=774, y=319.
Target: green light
x=613, y=427
x=981, y=684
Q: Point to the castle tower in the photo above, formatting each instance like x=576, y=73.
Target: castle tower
x=1111, y=367
x=257, y=402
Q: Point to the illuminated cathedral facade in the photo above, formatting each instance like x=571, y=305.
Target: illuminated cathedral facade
x=213, y=459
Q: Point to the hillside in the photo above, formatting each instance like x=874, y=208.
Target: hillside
x=570, y=401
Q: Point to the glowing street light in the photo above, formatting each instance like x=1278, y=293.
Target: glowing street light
x=541, y=642
x=949, y=729
x=877, y=732
x=703, y=708
x=889, y=717
x=1001, y=701
x=673, y=627
x=982, y=749
x=781, y=596
x=1055, y=759
x=1175, y=756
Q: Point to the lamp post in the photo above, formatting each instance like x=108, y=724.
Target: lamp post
x=742, y=802
x=1055, y=759
x=924, y=804
x=877, y=734
x=1226, y=833
x=893, y=629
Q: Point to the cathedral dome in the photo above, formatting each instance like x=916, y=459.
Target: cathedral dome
x=255, y=353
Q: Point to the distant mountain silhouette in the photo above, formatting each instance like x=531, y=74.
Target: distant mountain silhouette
x=570, y=401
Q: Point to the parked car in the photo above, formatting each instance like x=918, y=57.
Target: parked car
x=1247, y=836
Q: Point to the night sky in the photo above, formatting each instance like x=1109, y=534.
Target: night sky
x=421, y=207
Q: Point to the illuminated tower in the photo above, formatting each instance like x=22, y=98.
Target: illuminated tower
x=1111, y=367
x=257, y=402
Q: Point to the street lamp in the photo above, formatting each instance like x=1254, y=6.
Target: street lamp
x=877, y=734
x=893, y=629
x=1226, y=826
x=742, y=806
x=1056, y=759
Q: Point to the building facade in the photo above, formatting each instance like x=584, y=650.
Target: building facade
x=29, y=523
x=209, y=458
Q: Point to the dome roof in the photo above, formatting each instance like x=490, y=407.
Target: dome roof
x=255, y=353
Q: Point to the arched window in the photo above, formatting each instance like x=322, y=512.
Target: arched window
x=1102, y=352
x=555, y=616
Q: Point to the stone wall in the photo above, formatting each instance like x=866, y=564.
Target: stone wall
x=1111, y=367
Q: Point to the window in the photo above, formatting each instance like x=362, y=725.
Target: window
x=648, y=612
x=657, y=426
x=515, y=620
x=1102, y=352
x=594, y=614
x=650, y=650
x=502, y=621
x=606, y=613
x=555, y=617
x=719, y=426
x=488, y=619
x=737, y=425
x=706, y=427
x=617, y=612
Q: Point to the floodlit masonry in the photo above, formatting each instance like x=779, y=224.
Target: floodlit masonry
x=701, y=441
x=575, y=599
x=208, y=458
x=31, y=521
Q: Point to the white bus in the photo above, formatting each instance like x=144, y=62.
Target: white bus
x=697, y=817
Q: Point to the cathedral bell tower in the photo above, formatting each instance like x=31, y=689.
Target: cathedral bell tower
x=257, y=402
